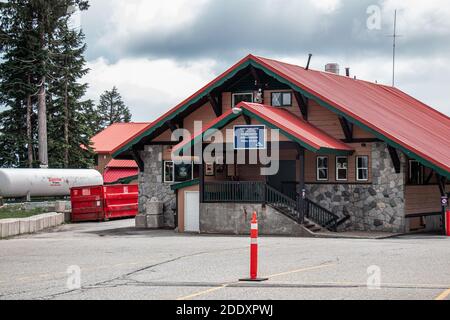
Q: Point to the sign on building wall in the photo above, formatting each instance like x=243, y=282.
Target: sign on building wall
x=250, y=137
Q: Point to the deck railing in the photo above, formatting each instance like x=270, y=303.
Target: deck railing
x=260, y=192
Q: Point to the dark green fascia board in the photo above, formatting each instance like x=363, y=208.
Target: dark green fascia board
x=377, y=134
x=185, y=184
x=207, y=91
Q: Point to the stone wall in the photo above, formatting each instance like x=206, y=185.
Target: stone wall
x=374, y=207
x=151, y=185
x=235, y=218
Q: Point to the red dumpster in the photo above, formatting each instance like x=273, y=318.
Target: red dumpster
x=121, y=201
x=448, y=222
x=99, y=203
x=87, y=204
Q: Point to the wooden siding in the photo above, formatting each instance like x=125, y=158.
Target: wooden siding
x=103, y=160
x=423, y=199
x=205, y=114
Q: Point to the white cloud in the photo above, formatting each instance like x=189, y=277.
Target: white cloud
x=149, y=87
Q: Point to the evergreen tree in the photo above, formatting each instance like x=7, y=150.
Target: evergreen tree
x=112, y=109
x=66, y=129
x=41, y=61
x=17, y=83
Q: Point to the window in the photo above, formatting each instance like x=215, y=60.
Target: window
x=416, y=173
x=362, y=168
x=281, y=99
x=178, y=172
x=341, y=168
x=322, y=168
x=242, y=97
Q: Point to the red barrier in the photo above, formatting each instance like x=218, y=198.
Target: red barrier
x=254, y=233
x=99, y=203
x=448, y=222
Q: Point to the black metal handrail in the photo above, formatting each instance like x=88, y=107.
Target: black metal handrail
x=231, y=191
x=320, y=215
x=260, y=192
x=285, y=204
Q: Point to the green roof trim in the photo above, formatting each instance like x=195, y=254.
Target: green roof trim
x=324, y=104
x=185, y=184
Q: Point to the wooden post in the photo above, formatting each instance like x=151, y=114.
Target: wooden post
x=202, y=177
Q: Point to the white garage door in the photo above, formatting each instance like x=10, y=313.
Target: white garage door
x=192, y=211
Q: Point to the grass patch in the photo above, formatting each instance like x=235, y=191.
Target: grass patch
x=16, y=212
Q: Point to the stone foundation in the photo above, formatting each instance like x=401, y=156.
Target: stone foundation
x=151, y=185
x=374, y=207
x=235, y=219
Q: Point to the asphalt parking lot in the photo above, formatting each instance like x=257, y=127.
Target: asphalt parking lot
x=118, y=262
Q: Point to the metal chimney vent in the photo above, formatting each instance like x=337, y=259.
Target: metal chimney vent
x=333, y=68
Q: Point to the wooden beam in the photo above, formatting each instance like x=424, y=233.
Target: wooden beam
x=442, y=181
x=363, y=140
x=347, y=127
x=302, y=102
x=255, y=75
x=247, y=119
x=395, y=159
x=137, y=157
x=430, y=176
x=172, y=126
x=215, y=105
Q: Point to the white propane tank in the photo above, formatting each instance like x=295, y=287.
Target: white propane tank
x=17, y=183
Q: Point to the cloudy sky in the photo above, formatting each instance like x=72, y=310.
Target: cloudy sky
x=159, y=52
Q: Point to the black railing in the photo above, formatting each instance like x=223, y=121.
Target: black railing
x=228, y=191
x=284, y=204
x=260, y=192
x=320, y=215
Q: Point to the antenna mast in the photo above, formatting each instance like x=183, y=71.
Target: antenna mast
x=394, y=48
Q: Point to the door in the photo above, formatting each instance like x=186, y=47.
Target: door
x=192, y=211
x=285, y=180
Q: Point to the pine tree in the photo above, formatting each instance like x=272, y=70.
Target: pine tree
x=112, y=109
x=68, y=111
x=17, y=84
x=41, y=61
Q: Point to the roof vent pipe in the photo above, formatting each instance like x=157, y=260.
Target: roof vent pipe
x=332, y=68
x=309, y=61
x=347, y=72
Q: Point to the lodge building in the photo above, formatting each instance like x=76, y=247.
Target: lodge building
x=353, y=155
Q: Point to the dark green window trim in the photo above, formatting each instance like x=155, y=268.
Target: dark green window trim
x=283, y=104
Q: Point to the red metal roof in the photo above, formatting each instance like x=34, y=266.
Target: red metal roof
x=115, y=136
x=288, y=123
x=392, y=115
x=387, y=110
x=112, y=175
x=122, y=164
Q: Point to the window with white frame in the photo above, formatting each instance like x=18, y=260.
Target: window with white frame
x=362, y=168
x=341, y=168
x=242, y=97
x=322, y=168
x=178, y=172
x=281, y=99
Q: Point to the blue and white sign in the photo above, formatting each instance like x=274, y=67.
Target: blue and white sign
x=249, y=137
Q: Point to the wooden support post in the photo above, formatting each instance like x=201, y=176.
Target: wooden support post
x=137, y=157
x=395, y=159
x=172, y=126
x=302, y=103
x=216, y=105
x=202, y=178
x=347, y=127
